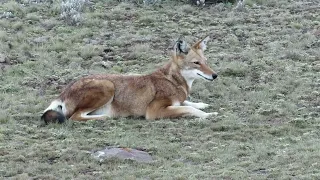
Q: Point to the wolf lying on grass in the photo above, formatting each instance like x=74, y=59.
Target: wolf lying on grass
x=161, y=94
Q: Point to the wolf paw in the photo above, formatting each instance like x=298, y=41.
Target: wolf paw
x=201, y=105
x=207, y=115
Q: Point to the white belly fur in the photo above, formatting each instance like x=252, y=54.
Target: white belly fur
x=105, y=110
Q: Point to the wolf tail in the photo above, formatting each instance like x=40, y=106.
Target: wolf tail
x=54, y=113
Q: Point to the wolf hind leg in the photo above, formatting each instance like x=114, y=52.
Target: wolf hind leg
x=95, y=101
x=84, y=115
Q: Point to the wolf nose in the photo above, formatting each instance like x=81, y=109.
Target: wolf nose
x=214, y=76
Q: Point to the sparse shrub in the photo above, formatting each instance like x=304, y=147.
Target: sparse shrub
x=296, y=25
x=232, y=39
x=231, y=21
x=300, y=123
x=89, y=51
x=187, y=8
x=12, y=9
x=71, y=11
x=57, y=46
x=235, y=69
x=7, y=14
x=32, y=17
x=147, y=20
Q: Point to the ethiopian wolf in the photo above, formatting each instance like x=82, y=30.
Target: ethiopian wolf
x=161, y=94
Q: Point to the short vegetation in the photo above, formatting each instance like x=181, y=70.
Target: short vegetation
x=267, y=93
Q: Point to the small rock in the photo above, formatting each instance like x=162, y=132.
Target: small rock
x=123, y=153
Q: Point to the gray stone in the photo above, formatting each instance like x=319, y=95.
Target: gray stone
x=123, y=153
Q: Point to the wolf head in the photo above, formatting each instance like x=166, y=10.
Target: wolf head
x=191, y=60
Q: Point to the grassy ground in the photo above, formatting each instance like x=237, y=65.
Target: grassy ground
x=267, y=93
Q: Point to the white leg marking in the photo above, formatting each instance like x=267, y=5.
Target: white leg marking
x=103, y=111
x=192, y=111
x=196, y=105
x=85, y=115
x=54, y=106
x=176, y=103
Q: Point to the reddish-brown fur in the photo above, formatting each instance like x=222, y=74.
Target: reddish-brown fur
x=157, y=95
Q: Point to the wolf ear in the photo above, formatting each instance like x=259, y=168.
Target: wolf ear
x=181, y=46
x=202, y=44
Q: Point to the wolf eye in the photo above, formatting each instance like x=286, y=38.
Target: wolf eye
x=197, y=62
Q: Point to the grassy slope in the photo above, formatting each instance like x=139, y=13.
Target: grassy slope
x=267, y=94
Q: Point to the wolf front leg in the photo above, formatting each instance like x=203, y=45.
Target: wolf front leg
x=159, y=109
x=195, y=105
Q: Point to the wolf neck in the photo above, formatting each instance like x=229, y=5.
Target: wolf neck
x=173, y=73
x=186, y=75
